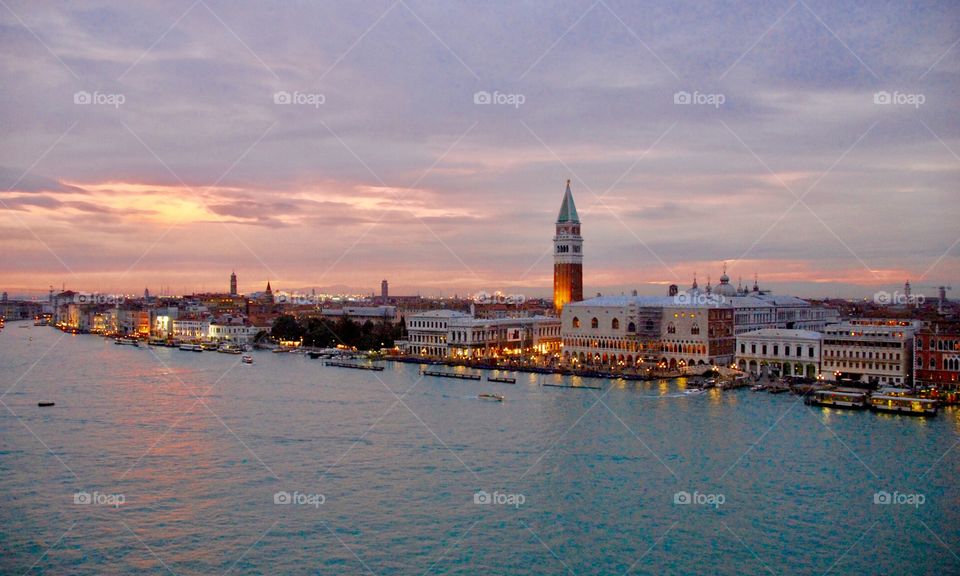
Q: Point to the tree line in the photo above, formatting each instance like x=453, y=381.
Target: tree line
x=327, y=332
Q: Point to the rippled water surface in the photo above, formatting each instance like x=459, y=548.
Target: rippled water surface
x=387, y=466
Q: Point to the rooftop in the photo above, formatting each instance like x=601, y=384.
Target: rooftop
x=568, y=210
x=784, y=333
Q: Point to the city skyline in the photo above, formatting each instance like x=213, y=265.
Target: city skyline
x=154, y=146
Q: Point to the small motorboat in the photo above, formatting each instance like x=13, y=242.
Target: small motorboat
x=247, y=359
x=45, y=404
x=758, y=388
x=492, y=397
x=691, y=391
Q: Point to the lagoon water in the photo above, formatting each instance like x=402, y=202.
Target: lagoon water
x=159, y=461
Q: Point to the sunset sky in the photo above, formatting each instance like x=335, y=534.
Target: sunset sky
x=184, y=166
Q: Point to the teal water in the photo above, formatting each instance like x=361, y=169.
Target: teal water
x=197, y=447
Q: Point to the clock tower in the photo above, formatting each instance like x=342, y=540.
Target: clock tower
x=567, y=255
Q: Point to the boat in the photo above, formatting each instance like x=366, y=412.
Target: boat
x=691, y=391
x=190, y=347
x=212, y=346
x=493, y=397
x=230, y=349
x=127, y=342
x=904, y=405
x=837, y=399
x=157, y=342
x=247, y=359
x=282, y=350
x=758, y=388
x=710, y=383
x=45, y=404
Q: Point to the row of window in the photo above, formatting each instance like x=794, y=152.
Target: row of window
x=776, y=350
x=830, y=353
x=632, y=327
x=950, y=364
x=942, y=344
x=427, y=324
x=861, y=365
x=862, y=344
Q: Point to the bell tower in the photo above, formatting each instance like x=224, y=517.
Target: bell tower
x=567, y=255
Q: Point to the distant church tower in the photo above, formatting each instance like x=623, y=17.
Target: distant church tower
x=233, y=283
x=567, y=255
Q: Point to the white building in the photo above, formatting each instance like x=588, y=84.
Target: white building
x=449, y=333
x=232, y=332
x=757, y=309
x=673, y=331
x=780, y=351
x=482, y=337
x=870, y=350
x=190, y=329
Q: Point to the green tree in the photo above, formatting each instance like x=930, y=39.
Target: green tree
x=286, y=327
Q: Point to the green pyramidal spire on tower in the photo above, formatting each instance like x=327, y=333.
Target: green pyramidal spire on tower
x=568, y=210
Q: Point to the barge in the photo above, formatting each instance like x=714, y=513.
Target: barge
x=904, y=405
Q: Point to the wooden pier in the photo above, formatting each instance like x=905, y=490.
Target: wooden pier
x=354, y=366
x=450, y=375
x=572, y=386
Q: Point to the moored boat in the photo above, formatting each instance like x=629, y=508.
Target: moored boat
x=230, y=349
x=191, y=347
x=126, y=342
x=904, y=405
x=837, y=399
